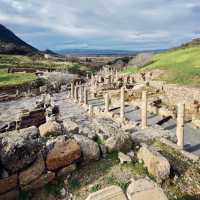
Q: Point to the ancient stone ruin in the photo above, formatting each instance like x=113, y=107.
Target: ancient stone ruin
x=91, y=119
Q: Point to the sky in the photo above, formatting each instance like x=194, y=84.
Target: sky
x=102, y=24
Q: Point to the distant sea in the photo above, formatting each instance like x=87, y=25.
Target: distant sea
x=95, y=52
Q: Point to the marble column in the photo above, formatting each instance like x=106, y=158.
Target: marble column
x=85, y=96
x=76, y=93
x=72, y=90
x=122, y=104
x=180, y=125
x=91, y=110
x=144, y=110
x=81, y=96
x=106, y=98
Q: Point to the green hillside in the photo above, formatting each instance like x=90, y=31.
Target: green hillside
x=182, y=66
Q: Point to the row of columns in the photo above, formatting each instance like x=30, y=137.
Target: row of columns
x=144, y=114
x=80, y=94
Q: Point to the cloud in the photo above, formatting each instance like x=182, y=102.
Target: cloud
x=127, y=24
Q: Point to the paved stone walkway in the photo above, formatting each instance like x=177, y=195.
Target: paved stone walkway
x=192, y=135
x=10, y=110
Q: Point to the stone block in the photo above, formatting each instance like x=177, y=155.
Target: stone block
x=144, y=189
x=109, y=193
x=63, y=154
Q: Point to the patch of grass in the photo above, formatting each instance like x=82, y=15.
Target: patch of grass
x=24, y=195
x=54, y=188
x=95, y=188
x=182, y=66
x=131, y=70
x=8, y=79
x=112, y=180
x=100, y=141
x=74, y=184
x=7, y=61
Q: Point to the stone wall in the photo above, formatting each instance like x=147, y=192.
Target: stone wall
x=181, y=94
x=35, y=117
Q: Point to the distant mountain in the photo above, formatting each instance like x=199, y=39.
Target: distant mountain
x=50, y=52
x=11, y=44
x=96, y=52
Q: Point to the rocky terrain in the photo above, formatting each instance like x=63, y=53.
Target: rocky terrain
x=88, y=141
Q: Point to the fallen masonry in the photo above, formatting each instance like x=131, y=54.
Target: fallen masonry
x=85, y=127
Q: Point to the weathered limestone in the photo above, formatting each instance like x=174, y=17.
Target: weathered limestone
x=81, y=95
x=50, y=128
x=10, y=195
x=12, y=157
x=33, y=172
x=122, y=104
x=8, y=183
x=85, y=96
x=70, y=127
x=64, y=153
x=180, y=125
x=109, y=193
x=72, y=90
x=144, y=110
x=91, y=110
x=40, y=182
x=144, y=189
x=156, y=164
x=76, y=93
x=106, y=99
x=66, y=170
x=124, y=158
x=119, y=142
x=89, y=148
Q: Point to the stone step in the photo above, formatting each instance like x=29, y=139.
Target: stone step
x=109, y=193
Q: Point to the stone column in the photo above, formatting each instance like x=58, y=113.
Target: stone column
x=76, y=93
x=81, y=97
x=106, y=98
x=99, y=78
x=17, y=93
x=122, y=104
x=180, y=125
x=85, y=96
x=72, y=90
x=144, y=110
x=91, y=111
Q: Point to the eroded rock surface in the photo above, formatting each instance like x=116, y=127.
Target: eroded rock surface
x=33, y=172
x=156, y=164
x=63, y=153
x=50, y=128
x=144, y=189
x=120, y=142
x=109, y=193
x=19, y=148
x=89, y=148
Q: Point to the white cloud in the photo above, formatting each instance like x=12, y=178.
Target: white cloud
x=104, y=23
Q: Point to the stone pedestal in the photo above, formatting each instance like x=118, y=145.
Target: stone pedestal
x=144, y=110
x=106, y=98
x=180, y=125
x=122, y=104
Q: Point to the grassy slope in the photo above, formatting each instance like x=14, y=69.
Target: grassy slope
x=7, y=61
x=15, y=79
x=182, y=66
